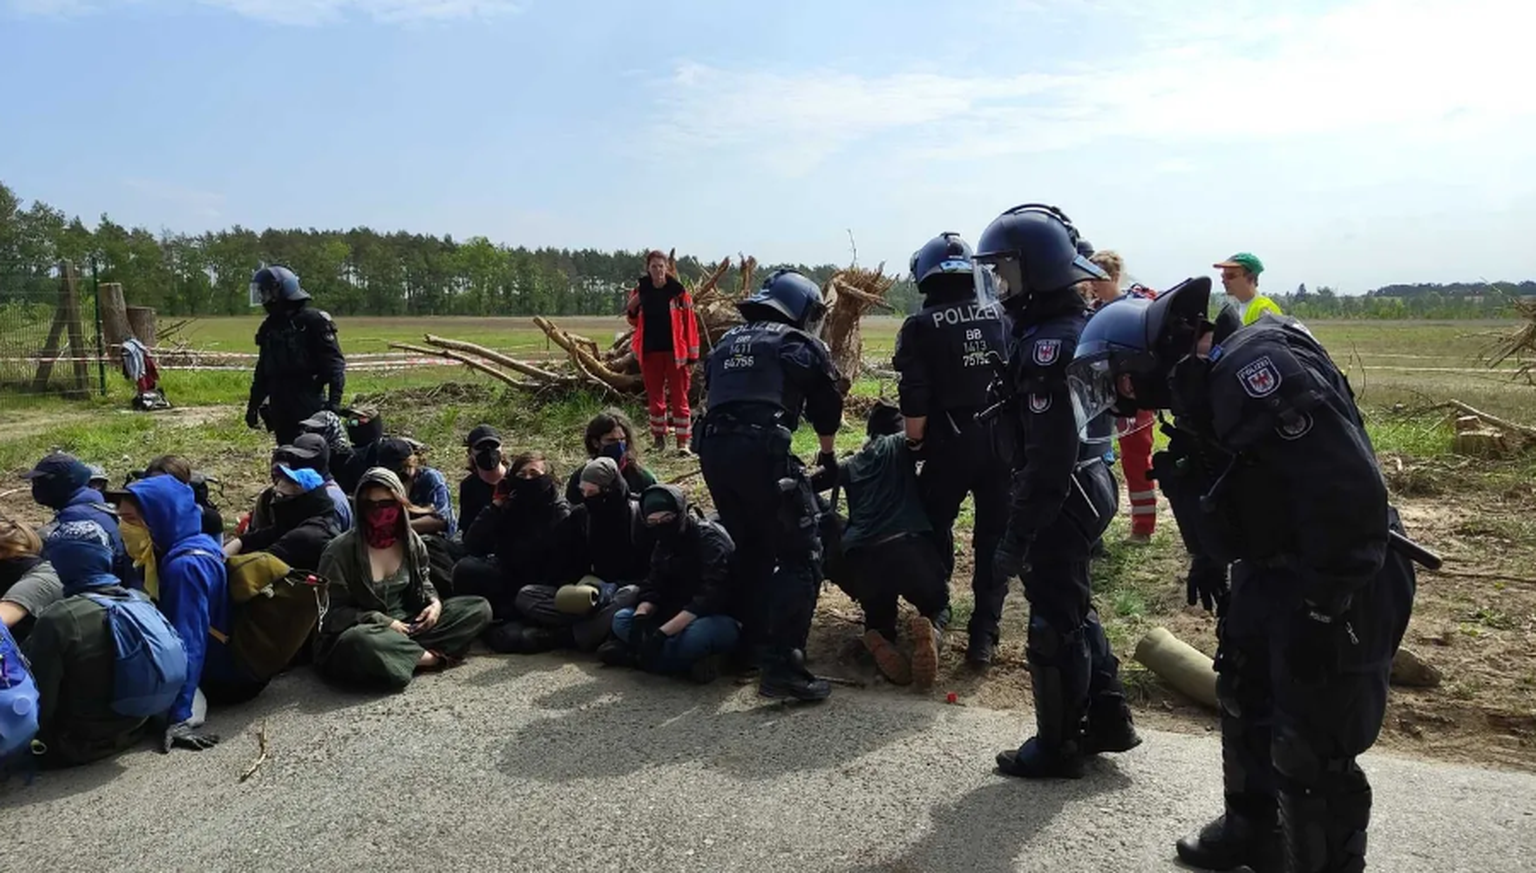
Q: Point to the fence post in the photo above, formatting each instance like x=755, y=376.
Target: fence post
x=101, y=351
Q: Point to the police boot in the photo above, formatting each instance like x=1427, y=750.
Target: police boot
x=980, y=649
x=785, y=675
x=1110, y=727
x=1325, y=833
x=1058, y=677
x=1234, y=840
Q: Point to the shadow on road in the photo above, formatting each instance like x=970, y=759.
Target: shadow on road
x=50, y=785
x=984, y=831
x=606, y=728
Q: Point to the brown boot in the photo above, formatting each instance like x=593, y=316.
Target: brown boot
x=925, y=651
x=658, y=443
x=888, y=658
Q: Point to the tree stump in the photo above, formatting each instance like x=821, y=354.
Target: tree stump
x=141, y=323
x=114, y=320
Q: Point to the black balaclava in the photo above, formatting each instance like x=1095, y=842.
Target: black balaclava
x=665, y=498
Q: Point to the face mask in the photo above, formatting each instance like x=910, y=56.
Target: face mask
x=51, y=491
x=141, y=548
x=487, y=460
x=535, y=488
x=615, y=451
x=382, y=525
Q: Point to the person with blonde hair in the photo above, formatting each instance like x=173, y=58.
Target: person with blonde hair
x=386, y=622
x=1134, y=433
x=28, y=584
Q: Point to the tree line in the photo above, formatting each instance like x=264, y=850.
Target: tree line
x=367, y=272
x=353, y=272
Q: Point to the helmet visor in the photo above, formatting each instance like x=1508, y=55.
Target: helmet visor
x=258, y=297
x=814, y=320
x=1092, y=386
x=997, y=281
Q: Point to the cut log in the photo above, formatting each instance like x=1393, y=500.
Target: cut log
x=490, y=355
x=1483, y=443
x=114, y=320
x=1523, y=429
x=1179, y=664
x=141, y=322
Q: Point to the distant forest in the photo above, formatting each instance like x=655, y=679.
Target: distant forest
x=366, y=272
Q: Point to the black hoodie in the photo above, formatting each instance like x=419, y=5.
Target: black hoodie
x=522, y=534
x=302, y=526
x=606, y=537
x=690, y=565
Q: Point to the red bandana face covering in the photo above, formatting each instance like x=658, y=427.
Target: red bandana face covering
x=381, y=526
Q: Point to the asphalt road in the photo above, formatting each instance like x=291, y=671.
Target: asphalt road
x=533, y=764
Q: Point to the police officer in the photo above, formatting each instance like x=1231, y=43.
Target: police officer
x=759, y=379
x=1062, y=493
x=1276, y=472
x=943, y=360
x=298, y=358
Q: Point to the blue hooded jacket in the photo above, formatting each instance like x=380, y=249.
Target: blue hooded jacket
x=87, y=504
x=194, y=590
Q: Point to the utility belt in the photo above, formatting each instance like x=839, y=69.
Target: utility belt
x=756, y=418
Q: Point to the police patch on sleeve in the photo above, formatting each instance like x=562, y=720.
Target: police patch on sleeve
x=1294, y=427
x=1046, y=352
x=1039, y=403
x=1260, y=378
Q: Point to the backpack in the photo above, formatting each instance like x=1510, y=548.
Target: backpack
x=18, y=698
x=277, y=608
x=151, y=665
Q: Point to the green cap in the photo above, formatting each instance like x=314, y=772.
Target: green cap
x=1246, y=260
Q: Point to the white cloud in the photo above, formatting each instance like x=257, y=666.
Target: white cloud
x=1431, y=69
x=298, y=12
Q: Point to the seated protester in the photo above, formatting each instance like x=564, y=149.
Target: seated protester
x=353, y=441
x=73, y=652
x=59, y=482
x=610, y=435
x=312, y=452
x=890, y=550
x=303, y=521
x=680, y=624
x=602, y=550
x=431, y=507
x=181, y=468
x=385, y=621
x=28, y=584
x=183, y=572
x=511, y=541
x=98, y=480
x=487, y=466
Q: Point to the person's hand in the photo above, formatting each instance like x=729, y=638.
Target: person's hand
x=400, y=627
x=677, y=623
x=232, y=547
x=184, y=736
x=645, y=609
x=651, y=647
x=1210, y=589
x=1009, y=560
x=827, y=461
x=252, y=418
x=427, y=618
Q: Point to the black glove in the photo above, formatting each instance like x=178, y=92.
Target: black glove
x=650, y=648
x=184, y=736
x=827, y=461
x=253, y=417
x=1317, y=640
x=1010, y=558
x=918, y=449
x=1209, y=587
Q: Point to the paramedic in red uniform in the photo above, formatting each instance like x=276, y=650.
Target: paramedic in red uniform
x=666, y=343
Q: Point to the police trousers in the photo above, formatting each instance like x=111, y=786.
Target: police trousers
x=956, y=464
x=774, y=526
x=1286, y=733
x=907, y=567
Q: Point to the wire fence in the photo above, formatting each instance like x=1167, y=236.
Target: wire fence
x=50, y=334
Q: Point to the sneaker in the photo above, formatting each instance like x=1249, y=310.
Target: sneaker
x=925, y=651
x=888, y=658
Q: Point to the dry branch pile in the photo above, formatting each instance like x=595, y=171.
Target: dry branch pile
x=613, y=368
x=1519, y=345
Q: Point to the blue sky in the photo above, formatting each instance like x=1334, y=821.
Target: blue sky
x=1351, y=143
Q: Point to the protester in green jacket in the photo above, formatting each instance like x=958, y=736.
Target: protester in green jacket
x=73, y=654
x=385, y=620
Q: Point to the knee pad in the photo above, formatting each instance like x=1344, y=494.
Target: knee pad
x=1301, y=769
x=1047, y=641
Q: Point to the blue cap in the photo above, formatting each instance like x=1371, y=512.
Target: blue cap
x=309, y=480
x=59, y=465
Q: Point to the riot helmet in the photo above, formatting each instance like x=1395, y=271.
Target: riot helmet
x=276, y=284
x=1030, y=251
x=943, y=263
x=788, y=297
x=1140, y=338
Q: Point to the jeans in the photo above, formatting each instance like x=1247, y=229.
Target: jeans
x=704, y=636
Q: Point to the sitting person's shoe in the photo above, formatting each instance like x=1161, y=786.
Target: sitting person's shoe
x=888, y=659
x=926, y=640
x=705, y=670
x=616, y=653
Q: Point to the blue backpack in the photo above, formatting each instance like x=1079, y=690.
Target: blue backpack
x=18, y=698
x=151, y=660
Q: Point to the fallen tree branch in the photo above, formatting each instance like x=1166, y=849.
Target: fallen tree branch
x=466, y=361
x=491, y=355
x=587, y=363
x=1478, y=574
x=261, y=758
x=1523, y=429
